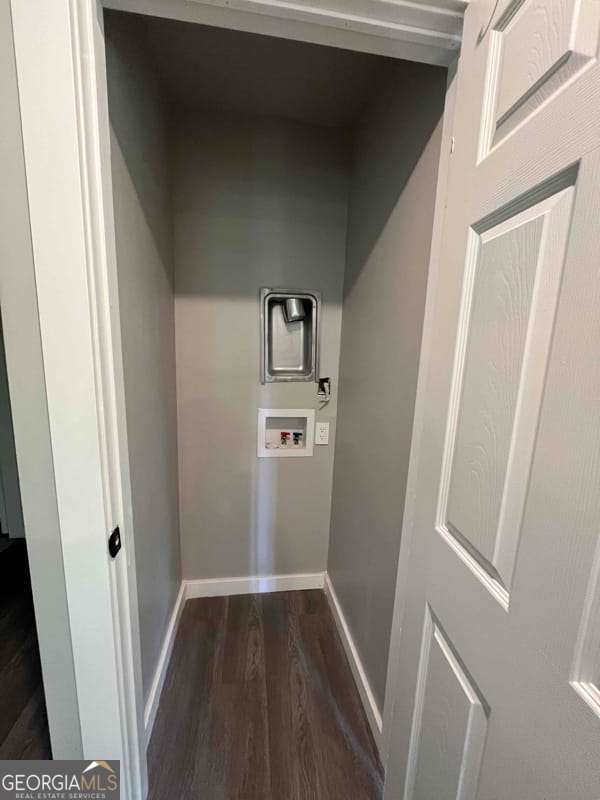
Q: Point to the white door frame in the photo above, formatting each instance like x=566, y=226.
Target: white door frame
x=25, y=369
x=63, y=95
x=62, y=89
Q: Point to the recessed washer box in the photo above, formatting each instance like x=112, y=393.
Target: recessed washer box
x=285, y=432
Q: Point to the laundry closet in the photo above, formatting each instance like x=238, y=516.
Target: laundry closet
x=273, y=208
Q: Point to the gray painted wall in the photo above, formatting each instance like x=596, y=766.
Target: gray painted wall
x=144, y=239
x=258, y=202
x=25, y=368
x=392, y=193
x=11, y=513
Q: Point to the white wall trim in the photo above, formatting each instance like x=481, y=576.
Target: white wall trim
x=160, y=673
x=253, y=584
x=358, y=671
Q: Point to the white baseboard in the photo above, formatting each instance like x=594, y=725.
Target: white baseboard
x=358, y=671
x=163, y=663
x=221, y=587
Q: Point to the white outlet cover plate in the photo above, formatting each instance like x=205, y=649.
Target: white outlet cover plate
x=322, y=433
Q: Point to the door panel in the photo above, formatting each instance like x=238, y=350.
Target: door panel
x=536, y=47
x=508, y=309
x=502, y=605
x=449, y=725
x=500, y=299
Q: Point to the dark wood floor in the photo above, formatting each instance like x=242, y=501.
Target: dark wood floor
x=23, y=722
x=259, y=704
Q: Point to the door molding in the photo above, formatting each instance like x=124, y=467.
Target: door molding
x=87, y=41
x=59, y=50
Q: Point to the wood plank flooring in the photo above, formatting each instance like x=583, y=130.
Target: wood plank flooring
x=23, y=722
x=259, y=704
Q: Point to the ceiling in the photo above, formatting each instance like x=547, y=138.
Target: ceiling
x=206, y=68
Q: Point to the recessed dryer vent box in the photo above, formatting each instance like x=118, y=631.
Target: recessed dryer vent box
x=289, y=335
x=285, y=432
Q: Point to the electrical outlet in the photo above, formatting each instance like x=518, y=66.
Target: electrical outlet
x=322, y=433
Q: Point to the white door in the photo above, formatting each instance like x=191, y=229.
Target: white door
x=498, y=691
